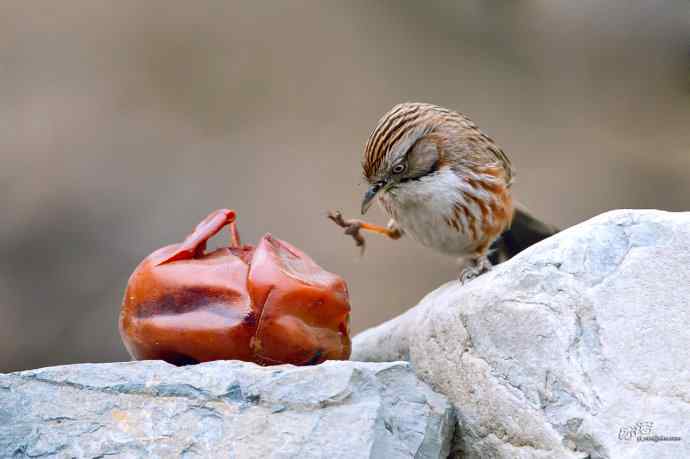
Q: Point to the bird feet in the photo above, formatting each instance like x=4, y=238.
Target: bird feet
x=352, y=227
x=474, y=268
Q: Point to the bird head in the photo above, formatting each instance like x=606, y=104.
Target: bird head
x=405, y=146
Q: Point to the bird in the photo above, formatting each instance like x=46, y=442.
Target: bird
x=447, y=185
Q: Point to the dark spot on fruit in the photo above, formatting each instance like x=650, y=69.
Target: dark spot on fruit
x=316, y=358
x=178, y=359
x=185, y=300
x=250, y=319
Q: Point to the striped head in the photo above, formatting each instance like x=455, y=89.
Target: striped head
x=388, y=158
x=442, y=180
x=414, y=140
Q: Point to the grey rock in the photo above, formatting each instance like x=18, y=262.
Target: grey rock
x=572, y=349
x=223, y=409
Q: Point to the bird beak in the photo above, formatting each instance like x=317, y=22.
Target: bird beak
x=369, y=197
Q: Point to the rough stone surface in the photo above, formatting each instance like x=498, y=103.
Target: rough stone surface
x=562, y=351
x=223, y=409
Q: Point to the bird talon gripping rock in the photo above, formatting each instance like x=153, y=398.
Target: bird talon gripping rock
x=269, y=303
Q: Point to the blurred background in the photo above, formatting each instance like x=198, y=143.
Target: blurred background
x=122, y=124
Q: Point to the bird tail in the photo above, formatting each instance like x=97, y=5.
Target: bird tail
x=525, y=231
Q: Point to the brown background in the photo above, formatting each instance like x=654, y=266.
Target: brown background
x=123, y=123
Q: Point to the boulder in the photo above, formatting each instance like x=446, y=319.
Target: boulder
x=578, y=347
x=223, y=409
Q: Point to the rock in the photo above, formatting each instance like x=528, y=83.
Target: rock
x=223, y=409
x=574, y=348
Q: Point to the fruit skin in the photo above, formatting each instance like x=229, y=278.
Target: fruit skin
x=269, y=304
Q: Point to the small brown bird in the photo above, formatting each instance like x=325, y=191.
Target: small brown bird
x=446, y=184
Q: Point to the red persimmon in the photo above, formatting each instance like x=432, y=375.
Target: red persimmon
x=269, y=303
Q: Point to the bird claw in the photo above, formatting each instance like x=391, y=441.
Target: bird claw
x=352, y=228
x=475, y=268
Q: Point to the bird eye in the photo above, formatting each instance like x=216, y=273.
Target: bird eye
x=399, y=168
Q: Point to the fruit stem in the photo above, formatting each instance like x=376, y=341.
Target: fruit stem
x=234, y=236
